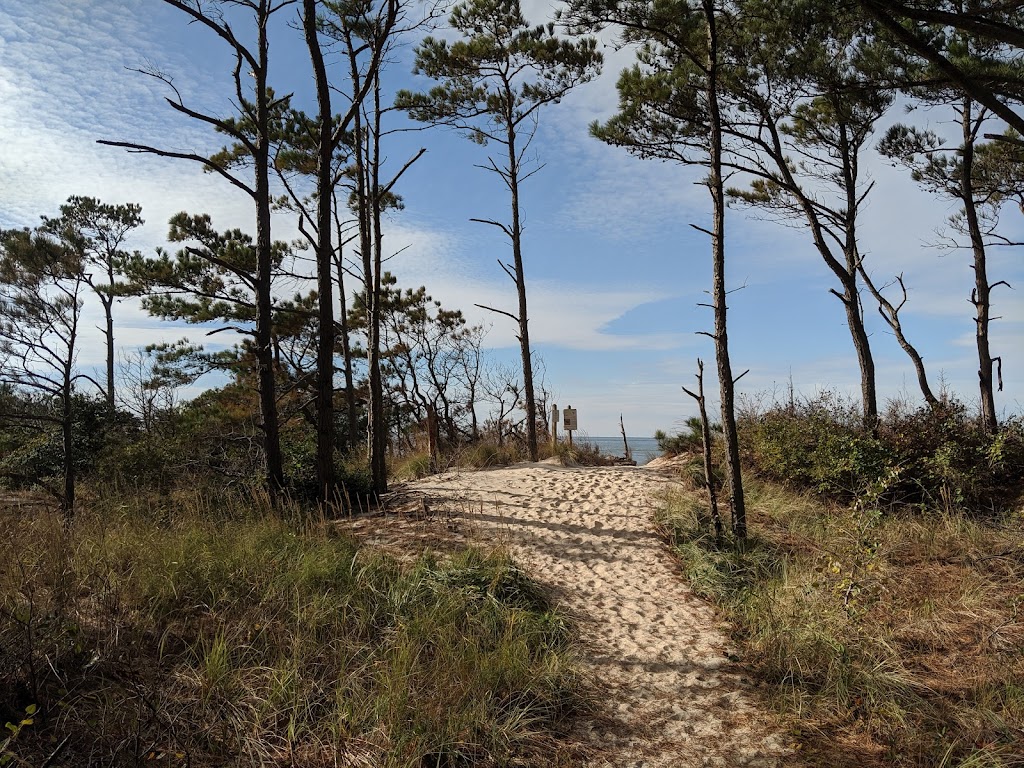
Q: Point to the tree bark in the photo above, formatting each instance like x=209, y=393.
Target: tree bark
x=324, y=263
x=379, y=428
x=726, y=383
x=346, y=352
x=851, y=295
x=517, y=261
x=980, y=295
x=705, y=436
x=108, y=315
x=264, y=266
x=891, y=314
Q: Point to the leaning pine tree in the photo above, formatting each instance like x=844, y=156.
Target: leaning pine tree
x=493, y=82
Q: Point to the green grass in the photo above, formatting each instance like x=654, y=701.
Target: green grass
x=897, y=639
x=252, y=640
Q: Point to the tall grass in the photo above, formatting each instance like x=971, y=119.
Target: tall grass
x=896, y=638
x=200, y=638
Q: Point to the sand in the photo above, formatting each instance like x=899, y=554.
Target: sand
x=659, y=655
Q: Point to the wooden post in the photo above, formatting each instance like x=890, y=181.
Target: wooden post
x=554, y=426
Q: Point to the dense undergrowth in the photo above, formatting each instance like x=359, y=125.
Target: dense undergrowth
x=934, y=459
x=880, y=594
x=198, y=634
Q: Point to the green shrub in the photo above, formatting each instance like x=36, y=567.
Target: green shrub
x=932, y=458
x=690, y=441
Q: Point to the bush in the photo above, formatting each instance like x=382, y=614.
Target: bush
x=937, y=458
x=691, y=441
x=580, y=453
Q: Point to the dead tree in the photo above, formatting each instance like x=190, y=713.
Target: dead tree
x=705, y=434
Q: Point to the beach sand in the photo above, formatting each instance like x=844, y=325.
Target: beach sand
x=670, y=697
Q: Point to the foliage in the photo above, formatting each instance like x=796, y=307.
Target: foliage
x=690, y=441
x=932, y=458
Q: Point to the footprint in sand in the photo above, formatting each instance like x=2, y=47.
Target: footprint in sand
x=672, y=698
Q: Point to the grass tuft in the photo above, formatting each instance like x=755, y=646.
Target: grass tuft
x=250, y=639
x=896, y=638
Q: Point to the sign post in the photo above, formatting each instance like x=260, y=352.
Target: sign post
x=569, y=422
x=554, y=426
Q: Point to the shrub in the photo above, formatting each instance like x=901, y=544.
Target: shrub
x=580, y=453
x=690, y=441
x=933, y=458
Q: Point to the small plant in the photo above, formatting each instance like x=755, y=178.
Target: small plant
x=7, y=756
x=580, y=453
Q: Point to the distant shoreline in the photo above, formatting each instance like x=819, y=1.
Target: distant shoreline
x=644, y=449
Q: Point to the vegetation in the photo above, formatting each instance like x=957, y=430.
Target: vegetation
x=191, y=602
x=493, y=84
x=213, y=631
x=879, y=598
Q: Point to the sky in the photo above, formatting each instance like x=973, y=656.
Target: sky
x=615, y=271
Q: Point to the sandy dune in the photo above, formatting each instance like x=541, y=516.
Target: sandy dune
x=672, y=697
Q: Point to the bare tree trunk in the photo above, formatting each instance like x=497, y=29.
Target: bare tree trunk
x=108, y=315
x=324, y=263
x=726, y=382
x=866, y=363
x=891, y=314
x=264, y=264
x=851, y=293
x=346, y=352
x=524, y=330
x=980, y=295
x=379, y=431
x=67, y=422
x=705, y=434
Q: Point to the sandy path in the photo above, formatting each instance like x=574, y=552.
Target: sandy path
x=672, y=698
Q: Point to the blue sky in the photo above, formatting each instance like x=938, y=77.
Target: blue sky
x=614, y=270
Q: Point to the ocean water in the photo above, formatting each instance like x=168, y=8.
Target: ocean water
x=643, y=448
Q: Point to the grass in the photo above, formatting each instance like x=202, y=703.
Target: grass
x=212, y=636
x=896, y=638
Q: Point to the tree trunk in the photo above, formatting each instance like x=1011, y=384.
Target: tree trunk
x=264, y=264
x=851, y=292
x=705, y=435
x=865, y=361
x=524, y=330
x=980, y=295
x=891, y=314
x=346, y=352
x=108, y=316
x=726, y=383
x=67, y=502
x=379, y=432
x=324, y=264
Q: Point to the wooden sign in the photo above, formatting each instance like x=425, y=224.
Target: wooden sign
x=569, y=419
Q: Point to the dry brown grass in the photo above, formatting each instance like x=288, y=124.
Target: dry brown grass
x=898, y=639
x=215, y=633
